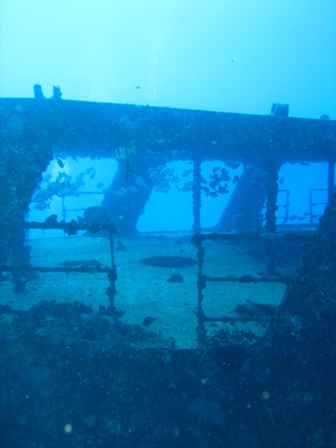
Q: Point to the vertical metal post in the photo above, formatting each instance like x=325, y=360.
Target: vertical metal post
x=331, y=178
x=272, y=188
x=311, y=213
x=197, y=201
x=201, y=283
x=111, y=289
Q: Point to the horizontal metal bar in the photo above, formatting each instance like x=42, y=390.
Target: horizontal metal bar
x=248, y=279
x=72, y=225
x=67, y=270
x=251, y=236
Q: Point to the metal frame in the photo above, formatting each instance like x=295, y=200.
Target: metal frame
x=71, y=228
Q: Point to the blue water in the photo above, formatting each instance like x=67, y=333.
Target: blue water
x=73, y=373
x=296, y=180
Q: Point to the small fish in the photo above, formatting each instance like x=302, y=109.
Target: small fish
x=79, y=176
x=66, y=192
x=76, y=185
x=213, y=184
x=148, y=321
x=225, y=177
x=233, y=165
x=59, y=177
x=60, y=163
x=186, y=173
x=235, y=179
x=100, y=184
x=121, y=192
x=41, y=206
x=93, y=173
x=54, y=187
x=166, y=171
x=67, y=176
x=304, y=163
x=138, y=87
x=67, y=182
x=44, y=194
x=222, y=190
x=189, y=185
x=281, y=180
x=164, y=190
x=88, y=170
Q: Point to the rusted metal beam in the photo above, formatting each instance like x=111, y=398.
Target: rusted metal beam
x=82, y=128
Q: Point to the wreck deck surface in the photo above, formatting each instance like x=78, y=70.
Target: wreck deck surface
x=143, y=290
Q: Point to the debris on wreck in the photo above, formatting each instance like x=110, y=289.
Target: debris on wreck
x=148, y=320
x=176, y=278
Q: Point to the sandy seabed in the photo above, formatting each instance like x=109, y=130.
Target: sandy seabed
x=143, y=290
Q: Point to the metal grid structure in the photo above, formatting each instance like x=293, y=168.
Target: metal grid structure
x=36, y=131
x=71, y=228
x=269, y=237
